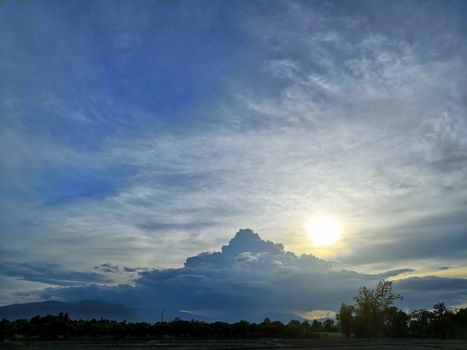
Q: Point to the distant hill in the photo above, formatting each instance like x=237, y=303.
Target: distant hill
x=86, y=309
x=283, y=317
x=89, y=309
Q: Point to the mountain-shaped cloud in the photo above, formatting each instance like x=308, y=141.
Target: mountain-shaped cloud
x=250, y=278
x=248, y=247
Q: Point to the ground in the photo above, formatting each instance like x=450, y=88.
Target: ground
x=334, y=344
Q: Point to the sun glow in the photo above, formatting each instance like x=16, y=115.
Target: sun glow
x=324, y=230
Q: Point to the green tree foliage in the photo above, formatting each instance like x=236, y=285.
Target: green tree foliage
x=460, y=323
x=374, y=315
x=345, y=318
x=396, y=323
x=437, y=323
x=329, y=326
x=372, y=308
x=62, y=327
x=316, y=326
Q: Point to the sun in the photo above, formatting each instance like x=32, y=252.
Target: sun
x=324, y=230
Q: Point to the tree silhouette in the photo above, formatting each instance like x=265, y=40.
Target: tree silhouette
x=373, y=314
x=372, y=308
x=345, y=318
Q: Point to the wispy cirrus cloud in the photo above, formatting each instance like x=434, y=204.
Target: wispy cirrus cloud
x=152, y=131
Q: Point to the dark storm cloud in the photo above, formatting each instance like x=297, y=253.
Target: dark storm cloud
x=432, y=283
x=51, y=273
x=250, y=278
x=420, y=292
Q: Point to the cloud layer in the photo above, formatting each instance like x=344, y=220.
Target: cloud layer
x=139, y=133
x=251, y=278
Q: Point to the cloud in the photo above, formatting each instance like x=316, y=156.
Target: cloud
x=107, y=268
x=434, y=283
x=319, y=314
x=51, y=273
x=199, y=119
x=419, y=292
x=250, y=278
x=393, y=273
x=408, y=246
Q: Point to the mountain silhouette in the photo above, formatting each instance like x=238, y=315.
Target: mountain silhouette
x=248, y=278
x=86, y=309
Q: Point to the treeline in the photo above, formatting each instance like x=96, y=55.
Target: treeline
x=374, y=315
x=62, y=327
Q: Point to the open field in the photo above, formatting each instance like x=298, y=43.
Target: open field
x=334, y=344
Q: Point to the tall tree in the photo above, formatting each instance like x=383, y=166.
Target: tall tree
x=345, y=318
x=372, y=309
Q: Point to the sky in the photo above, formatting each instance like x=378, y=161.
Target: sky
x=135, y=136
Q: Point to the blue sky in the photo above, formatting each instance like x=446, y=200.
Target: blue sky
x=139, y=133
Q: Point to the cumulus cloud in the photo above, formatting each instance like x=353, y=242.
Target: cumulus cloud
x=251, y=278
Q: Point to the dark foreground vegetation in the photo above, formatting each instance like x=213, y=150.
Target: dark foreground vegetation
x=61, y=326
x=372, y=315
